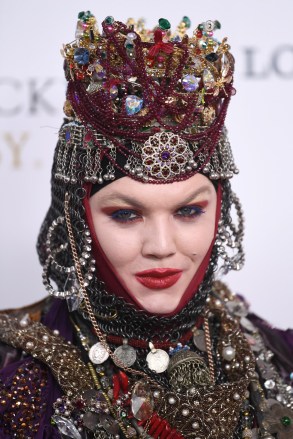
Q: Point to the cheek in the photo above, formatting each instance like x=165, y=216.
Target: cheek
x=119, y=246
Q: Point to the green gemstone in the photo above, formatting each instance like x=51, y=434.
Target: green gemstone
x=164, y=24
x=217, y=24
x=81, y=15
x=129, y=46
x=186, y=20
x=109, y=19
x=286, y=421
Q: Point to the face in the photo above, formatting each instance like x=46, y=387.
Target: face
x=155, y=235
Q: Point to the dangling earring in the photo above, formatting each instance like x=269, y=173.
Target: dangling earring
x=71, y=290
x=230, y=238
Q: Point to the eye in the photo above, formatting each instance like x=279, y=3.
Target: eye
x=124, y=215
x=190, y=211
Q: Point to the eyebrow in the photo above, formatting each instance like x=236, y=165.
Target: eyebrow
x=116, y=197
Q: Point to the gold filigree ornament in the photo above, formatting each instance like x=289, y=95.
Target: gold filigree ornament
x=166, y=155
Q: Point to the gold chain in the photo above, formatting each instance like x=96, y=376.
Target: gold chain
x=208, y=341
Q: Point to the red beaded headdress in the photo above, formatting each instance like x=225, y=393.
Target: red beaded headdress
x=148, y=104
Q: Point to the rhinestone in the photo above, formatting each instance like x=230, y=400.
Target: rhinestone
x=270, y=384
x=133, y=104
x=189, y=83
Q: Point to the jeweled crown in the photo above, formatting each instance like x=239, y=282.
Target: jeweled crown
x=148, y=104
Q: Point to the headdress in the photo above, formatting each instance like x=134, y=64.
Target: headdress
x=147, y=104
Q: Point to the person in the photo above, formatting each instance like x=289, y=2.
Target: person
x=137, y=337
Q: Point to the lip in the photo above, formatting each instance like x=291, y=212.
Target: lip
x=159, y=278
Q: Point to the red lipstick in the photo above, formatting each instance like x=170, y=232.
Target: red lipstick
x=158, y=278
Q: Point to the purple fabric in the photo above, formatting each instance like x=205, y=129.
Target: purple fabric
x=280, y=342
x=56, y=318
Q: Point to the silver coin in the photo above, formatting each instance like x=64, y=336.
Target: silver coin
x=199, y=340
x=158, y=360
x=126, y=354
x=98, y=353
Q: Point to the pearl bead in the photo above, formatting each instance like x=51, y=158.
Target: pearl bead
x=236, y=396
x=228, y=353
x=45, y=338
x=56, y=332
x=171, y=400
x=156, y=394
x=195, y=425
x=29, y=345
x=185, y=412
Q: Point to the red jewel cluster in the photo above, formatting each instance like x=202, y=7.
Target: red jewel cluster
x=160, y=428
x=22, y=401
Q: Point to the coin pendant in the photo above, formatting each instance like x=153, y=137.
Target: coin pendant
x=126, y=354
x=158, y=360
x=98, y=353
x=199, y=340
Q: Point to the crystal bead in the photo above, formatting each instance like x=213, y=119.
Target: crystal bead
x=66, y=427
x=208, y=79
x=189, y=83
x=133, y=104
x=81, y=56
x=142, y=404
x=164, y=24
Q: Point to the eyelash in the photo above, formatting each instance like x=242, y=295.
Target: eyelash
x=193, y=212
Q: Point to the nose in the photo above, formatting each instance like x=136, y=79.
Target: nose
x=158, y=240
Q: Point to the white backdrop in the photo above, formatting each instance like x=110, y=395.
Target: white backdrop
x=260, y=125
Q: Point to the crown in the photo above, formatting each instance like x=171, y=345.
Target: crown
x=150, y=104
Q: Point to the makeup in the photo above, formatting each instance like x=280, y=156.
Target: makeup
x=159, y=278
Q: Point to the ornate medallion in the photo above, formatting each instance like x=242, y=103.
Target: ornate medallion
x=166, y=155
x=187, y=369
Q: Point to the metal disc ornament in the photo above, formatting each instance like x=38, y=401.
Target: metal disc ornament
x=125, y=353
x=98, y=353
x=199, y=340
x=157, y=359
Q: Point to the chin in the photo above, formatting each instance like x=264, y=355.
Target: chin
x=160, y=306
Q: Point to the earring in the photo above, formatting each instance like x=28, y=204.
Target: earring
x=71, y=287
x=230, y=238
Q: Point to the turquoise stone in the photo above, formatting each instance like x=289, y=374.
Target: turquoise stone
x=164, y=24
x=189, y=83
x=186, y=20
x=109, y=20
x=133, y=104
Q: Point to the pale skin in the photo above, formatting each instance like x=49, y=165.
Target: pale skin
x=148, y=226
